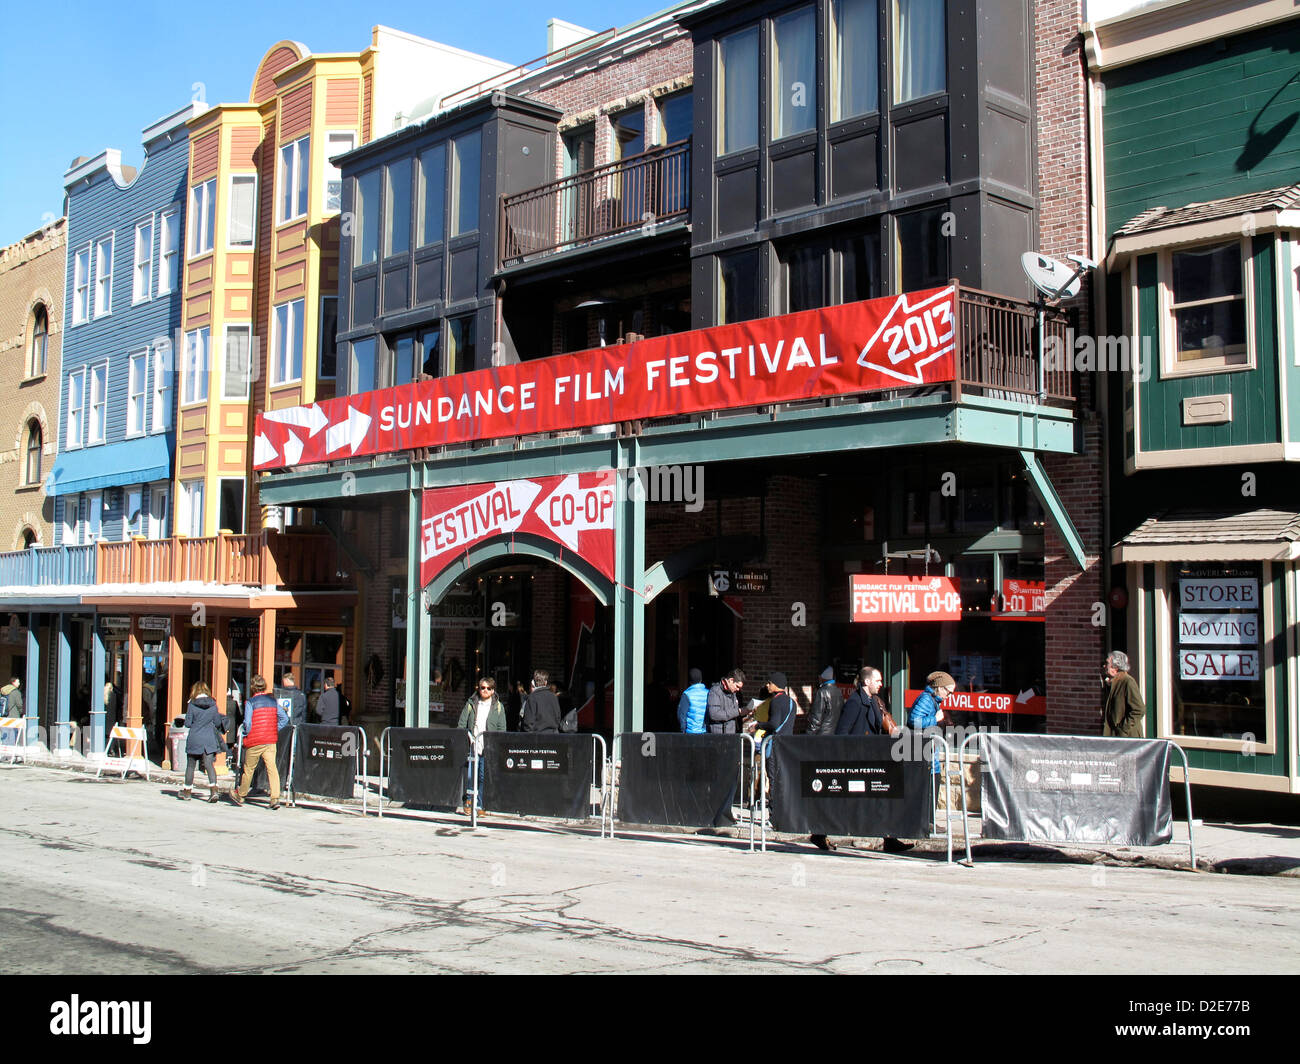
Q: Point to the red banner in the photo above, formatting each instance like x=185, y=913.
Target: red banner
x=894, y=342
x=1021, y=600
x=1026, y=703
x=576, y=511
x=905, y=598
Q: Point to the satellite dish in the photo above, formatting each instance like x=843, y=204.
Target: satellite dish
x=1055, y=279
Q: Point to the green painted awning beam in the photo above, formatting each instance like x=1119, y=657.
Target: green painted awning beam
x=1054, y=508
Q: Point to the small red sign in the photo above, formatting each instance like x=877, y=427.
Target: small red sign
x=576, y=511
x=1021, y=600
x=904, y=598
x=1026, y=703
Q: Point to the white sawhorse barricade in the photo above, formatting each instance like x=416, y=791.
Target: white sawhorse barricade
x=13, y=728
x=126, y=736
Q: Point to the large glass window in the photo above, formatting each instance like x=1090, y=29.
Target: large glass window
x=922, y=249
x=97, y=422
x=920, y=49
x=738, y=95
x=860, y=267
x=169, y=245
x=365, y=207
x=203, y=208
x=329, y=343
x=295, y=168
x=1209, y=307
x=805, y=277
x=739, y=286
x=361, y=367
x=433, y=193
x=794, y=73
x=236, y=368
x=195, y=367
x=287, y=359
x=403, y=363
x=38, y=349
x=104, y=276
x=628, y=128
x=1218, y=635
x=397, y=217
x=464, y=209
x=136, y=390
x=854, y=62
x=231, y=515
x=35, y=442
x=461, y=349
x=336, y=144
x=675, y=117
x=81, y=286
x=162, y=387
x=243, y=210
x=142, y=276
x=430, y=351
x=189, y=508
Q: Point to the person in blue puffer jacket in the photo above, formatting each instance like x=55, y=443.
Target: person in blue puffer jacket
x=927, y=710
x=690, y=710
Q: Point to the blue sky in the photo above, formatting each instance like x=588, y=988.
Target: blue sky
x=80, y=77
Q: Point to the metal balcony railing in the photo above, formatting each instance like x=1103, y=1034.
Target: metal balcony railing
x=639, y=192
x=999, y=351
x=48, y=566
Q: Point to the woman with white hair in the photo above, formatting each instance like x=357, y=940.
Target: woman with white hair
x=1124, y=712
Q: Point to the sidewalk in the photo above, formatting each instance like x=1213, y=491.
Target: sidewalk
x=1231, y=846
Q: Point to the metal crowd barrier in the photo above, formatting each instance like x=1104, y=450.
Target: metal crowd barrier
x=1187, y=782
x=288, y=773
x=361, y=758
x=746, y=765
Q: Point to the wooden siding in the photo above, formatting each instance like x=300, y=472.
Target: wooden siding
x=206, y=156
x=277, y=60
x=342, y=102
x=295, y=112
x=243, y=144
x=1255, y=403
x=1201, y=124
x=367, y=106
x=265, y=236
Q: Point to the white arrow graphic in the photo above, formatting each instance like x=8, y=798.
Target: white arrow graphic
x=349, y=432
x=499, y=510
x=1025, y=696
x=263, y=450
x=934, y=325
x=567, y=523
x=312, y=418
x=292, y=449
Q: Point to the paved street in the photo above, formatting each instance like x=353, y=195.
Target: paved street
x=112, y=877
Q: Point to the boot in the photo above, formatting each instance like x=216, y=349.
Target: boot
x=214, y=795
x=185, y=793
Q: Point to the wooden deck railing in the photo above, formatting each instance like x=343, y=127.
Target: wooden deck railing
x=634, y=193
x=264, y=559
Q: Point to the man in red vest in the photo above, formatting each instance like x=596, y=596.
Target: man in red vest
x=263, y=722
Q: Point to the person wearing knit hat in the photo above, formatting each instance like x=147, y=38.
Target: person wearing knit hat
x=827, y=705
x=927, y=710
x=780, y=717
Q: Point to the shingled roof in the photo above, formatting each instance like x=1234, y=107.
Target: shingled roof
x=1276, y=531
x=1275, y=199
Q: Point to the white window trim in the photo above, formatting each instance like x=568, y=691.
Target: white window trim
x=162, y=386
x=230, y=199
x=187, y=489
x=136, y=298
x=1203, y=367
x=88, y=250
x=142, y=490
x=276, y=380
x=330, y=168
x=69, y=443
x=91, y=441
x=159, y=490
x=185, y=376
x=93, y=530
x=195, y=220
x=225, y=339
x=111, y=240
x=169, y=219
x=141, y=429
x=299, y=179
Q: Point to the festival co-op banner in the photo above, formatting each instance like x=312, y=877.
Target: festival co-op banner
x=576, y=511
x=898, y=341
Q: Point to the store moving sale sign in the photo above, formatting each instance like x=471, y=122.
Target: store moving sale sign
x=576, y=511
x=904, y=598
x=899, y=341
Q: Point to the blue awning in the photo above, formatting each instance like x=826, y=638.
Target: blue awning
x=112, y=465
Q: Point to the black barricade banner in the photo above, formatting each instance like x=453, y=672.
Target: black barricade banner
x=538, y=774
x=325, y=763
x=671, y=778
x=426, y=766
x=1054, y=788
x=868, y=785
x=283, y=753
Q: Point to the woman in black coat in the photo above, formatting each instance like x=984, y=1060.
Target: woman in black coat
x=205, y=728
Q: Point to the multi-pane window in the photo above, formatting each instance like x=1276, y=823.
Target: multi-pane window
x=1208, y=307
x=242, y=223
x=336, y=144
x=195, y=367
x=237, y=364
x=136, y=391
x=169, y=245
x=461, y=347
x=464, y=207
x=81, y=286
x=134, y=515
x=162, y=387
x=189, y=508
x=286, y=362
x=397, y=217
x=327, y=364
x=104, y=276
x=738, y=95
x=96, y=422
x=794, y=73
x=142, y=276
x=433, y=193
x=38, y=349
x=75, y=409
x=202, y=217
x=159, y=500
x=365, y=228
x=361, y=366
x=854, y=66
x=35, y=443
x=920, y=49
x=295, y=169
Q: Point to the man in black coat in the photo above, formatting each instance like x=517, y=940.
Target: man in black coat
x=290, y=696
x=827, y=705
x=863, y=711
x=542, y=710
x=329, y=708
